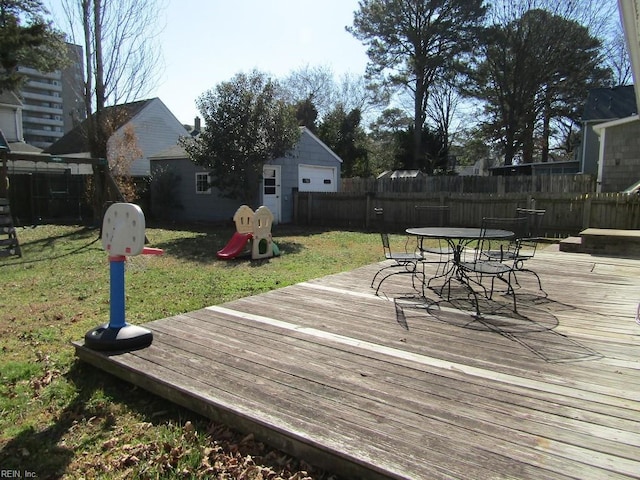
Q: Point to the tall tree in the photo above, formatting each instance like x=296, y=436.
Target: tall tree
x=616, y=57
x=307, y=114
x=318, y=87
x=535, y=70
x=411, y=42
x=121, y=65
x=27, y=39
x=341, y=131
x=247, y=124
x=442, y=108
x=384, y=142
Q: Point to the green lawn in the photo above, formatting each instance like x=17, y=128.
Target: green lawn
x=60, y=418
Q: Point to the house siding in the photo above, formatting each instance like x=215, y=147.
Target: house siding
x=213, y=207
x=186, y=205
x=9, y=124
x=621, y=167
x=590, y=150
x=156, y=129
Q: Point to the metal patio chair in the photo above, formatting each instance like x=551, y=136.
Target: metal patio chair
x=494, y=259
x=528, y=243
x=403, y=263
x=441, y=253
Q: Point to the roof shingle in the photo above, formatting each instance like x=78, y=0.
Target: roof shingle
x=610, y=103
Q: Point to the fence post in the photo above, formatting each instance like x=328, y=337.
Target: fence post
x=586, y=212
x=367, y=209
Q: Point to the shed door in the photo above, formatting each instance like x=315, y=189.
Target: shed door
x=313, y=178
x=271, y=190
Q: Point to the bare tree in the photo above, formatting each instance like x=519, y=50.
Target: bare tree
x=118, y=38
x=616, y=57
x=121, y=65
x=318, y=89
x=442, y=109
x=352, y=92
x=315, y=84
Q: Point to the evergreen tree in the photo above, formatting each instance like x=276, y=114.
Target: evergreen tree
x=411, y=42
x=27, y=39
x=247, y=124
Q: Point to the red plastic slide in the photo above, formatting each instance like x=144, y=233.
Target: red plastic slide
x=235, y=246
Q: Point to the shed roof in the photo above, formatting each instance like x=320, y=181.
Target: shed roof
x=610, y=103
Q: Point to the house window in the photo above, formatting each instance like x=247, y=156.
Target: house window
x=202, y=183
x=269, y=186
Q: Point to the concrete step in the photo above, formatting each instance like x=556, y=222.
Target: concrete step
x=604, y=241
x=611, y=241
x=571, y=244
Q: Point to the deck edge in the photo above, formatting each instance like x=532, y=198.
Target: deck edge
x=347, y=467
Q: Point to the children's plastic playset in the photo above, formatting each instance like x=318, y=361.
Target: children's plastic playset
x=253, y=233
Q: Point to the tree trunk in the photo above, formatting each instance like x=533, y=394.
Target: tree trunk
x=509, y=137
x=98, y=138
x=546, y=127
x=418, y=121
x=528, y=136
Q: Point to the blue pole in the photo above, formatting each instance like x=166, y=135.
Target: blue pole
x=116, y=304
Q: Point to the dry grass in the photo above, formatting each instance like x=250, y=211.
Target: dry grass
x=61, y=418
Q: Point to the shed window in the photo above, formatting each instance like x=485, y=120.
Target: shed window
x=202, y=183
x=306, y=180
x=327, y=181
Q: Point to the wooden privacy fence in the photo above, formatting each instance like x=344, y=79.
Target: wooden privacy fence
x=560, y=183
x=566, y=214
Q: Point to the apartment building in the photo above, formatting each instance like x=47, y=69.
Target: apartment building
x=52, y=103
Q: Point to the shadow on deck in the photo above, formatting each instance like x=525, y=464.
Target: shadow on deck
x=398, y=386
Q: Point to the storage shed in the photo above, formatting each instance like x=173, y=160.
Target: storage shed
x=181, y=190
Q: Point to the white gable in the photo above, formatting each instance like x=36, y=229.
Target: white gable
x=156, y=129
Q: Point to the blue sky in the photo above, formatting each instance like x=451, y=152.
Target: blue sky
x=205, y=42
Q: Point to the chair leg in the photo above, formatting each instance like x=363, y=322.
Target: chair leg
x=373, y=280
x=537, y=278
x=445, y=272
x=402, y=272
x=510, y=290
x=395, y=265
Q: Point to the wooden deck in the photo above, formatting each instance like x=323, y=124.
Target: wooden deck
x=384, y=387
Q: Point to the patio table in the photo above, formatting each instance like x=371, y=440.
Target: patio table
x=457, y=238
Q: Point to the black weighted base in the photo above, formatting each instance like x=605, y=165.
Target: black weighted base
x=129, y=337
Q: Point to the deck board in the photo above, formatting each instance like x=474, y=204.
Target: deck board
x=397, y=386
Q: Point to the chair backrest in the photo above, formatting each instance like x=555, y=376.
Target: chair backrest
x=432, y=215
x=501, y=249
x=517, y=225
x=385, y=244
x=534, y=220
